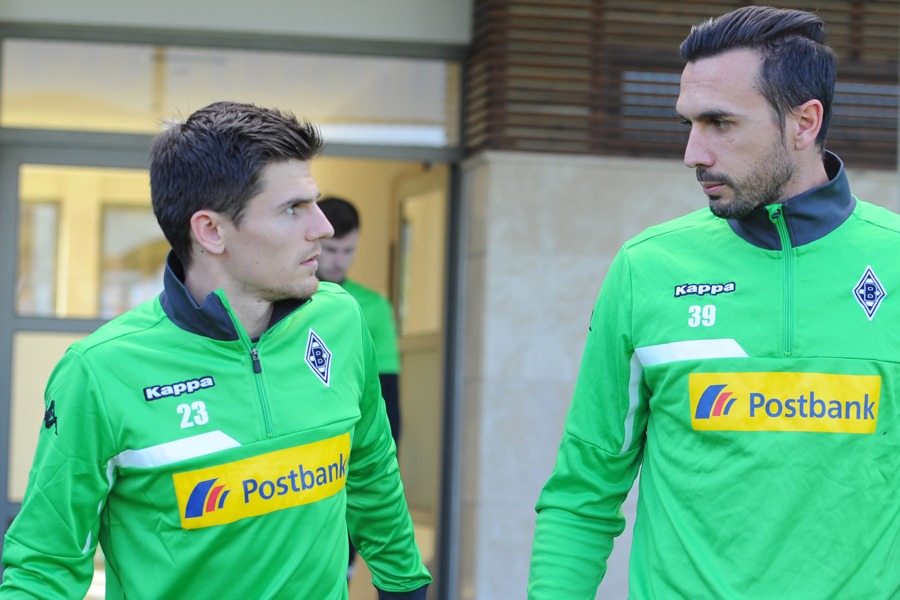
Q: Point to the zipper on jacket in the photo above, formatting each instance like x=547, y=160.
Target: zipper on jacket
x=776, y=215
x=263, y=400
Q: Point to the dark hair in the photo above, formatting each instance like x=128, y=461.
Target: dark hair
x=214, y=160
x=797, y=66
x=341, y=214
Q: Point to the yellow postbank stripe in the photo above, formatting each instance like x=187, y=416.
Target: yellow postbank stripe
x=784, y=401
x=262, y=484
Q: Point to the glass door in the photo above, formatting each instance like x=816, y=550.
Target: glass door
x=80, y=245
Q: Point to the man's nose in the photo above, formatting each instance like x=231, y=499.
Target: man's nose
x=322, y=227
x=696, y=154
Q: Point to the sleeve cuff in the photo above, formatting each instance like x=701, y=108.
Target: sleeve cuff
x=418, y=594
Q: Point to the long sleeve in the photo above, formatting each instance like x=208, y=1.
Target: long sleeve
x=578, y=511
x=377, y=513
x=48, y=551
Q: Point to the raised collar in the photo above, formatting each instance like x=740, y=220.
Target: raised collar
x=809, y=216
x=211, y=319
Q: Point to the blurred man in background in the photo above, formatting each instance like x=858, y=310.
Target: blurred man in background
x=335, y=260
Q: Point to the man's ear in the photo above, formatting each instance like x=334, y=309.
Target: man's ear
x=807, y=120
x=206, y=226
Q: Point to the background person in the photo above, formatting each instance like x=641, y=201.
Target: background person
x=219, y=440
x=338, y=253
x=744, y=358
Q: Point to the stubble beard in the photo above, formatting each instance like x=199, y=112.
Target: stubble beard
x=308, y=287
x=300, y=290
x=764, y=185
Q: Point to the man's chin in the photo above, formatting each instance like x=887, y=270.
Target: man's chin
x=308, y=288
x=720, y=208
x=301, y=292
x=724, y=210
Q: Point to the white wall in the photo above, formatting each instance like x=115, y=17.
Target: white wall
x=427, y=21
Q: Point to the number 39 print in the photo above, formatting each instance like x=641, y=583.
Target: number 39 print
x=702, y=315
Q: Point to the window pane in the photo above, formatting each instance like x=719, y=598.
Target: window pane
x=89, y=246
x=36, y=284
x=134, y=256
x=422, y=229
x=134, y=87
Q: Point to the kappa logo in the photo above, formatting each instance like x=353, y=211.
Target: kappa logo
x=869, y=292
x=50, y=417
x=702, y=289
x=155, y=392
x=318, y=357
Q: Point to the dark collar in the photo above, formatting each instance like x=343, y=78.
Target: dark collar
x=809, y=216
x=210, y=319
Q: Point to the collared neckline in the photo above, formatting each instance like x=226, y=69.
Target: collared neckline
x=809, y=216
x=212, y=318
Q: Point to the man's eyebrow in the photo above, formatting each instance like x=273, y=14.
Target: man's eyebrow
x=707, y=115
x=301, y=200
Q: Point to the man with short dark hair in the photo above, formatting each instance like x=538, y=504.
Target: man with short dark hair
x=744, y=358
x=219, y=440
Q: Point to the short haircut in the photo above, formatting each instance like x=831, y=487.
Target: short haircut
x=341, y=214
x=797, y=66
x=214, y=161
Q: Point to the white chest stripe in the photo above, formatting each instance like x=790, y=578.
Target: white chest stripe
x=691, y=350
x=170, y=452
x=666, y=353
x=634, y=390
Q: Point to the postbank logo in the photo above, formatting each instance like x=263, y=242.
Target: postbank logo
x=812, y=402
x=262, y=484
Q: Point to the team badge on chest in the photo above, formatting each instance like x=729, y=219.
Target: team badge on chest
x=869, y=292
x=318, y=357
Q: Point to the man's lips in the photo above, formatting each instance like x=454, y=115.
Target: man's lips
x=710, y=182
x=712, y=187
x=312, y=261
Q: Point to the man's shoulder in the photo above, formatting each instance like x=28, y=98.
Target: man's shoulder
x=356, y=288
x=327, y=288
x=333, y=294
x=363, y=294
x=334, y=297
x=144, y=318
x=879, y=216
x=677, y=230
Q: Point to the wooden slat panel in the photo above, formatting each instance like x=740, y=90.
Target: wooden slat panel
x=601, y=76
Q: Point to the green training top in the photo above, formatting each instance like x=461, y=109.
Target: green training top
x=379, y=315
x=212, y=466
x=750, y=369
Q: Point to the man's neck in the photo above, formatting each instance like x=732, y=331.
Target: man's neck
x=808, y=174
x=252, y=313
